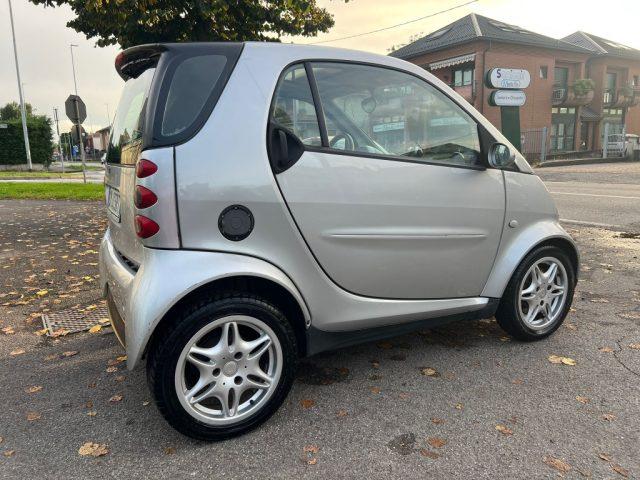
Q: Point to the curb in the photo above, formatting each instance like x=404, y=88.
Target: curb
x=582, y=161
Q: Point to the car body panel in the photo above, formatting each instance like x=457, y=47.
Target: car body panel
x=226, y=163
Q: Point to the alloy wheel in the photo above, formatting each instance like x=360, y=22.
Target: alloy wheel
x=542, y=293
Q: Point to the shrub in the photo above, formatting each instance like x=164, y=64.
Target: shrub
x=12, y=150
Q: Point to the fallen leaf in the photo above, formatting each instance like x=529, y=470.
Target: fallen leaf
x=145, y=403
x=122, y=358
x=609, y=417
x=342, y=413
x=606, y=349
x=307, y=403
x=620, y=471
x=8, y=330
x=33, y=416
x=436, y=442
x=517, y=381
x=42, y=293
x=112, y=369
x=428, y=453
x=429, y=372
x=459, y=406
x=556, y=359
x=584, y=400
x=311, y=449
x=504, y=430
x=17, y=351
x=375, y=390
x=312, y=461
x=61, y=332
x=34, y=389
x=8, y=453
x=605, y=456
x=41, y=332
x=120, y=378
x=558, y=464
x=92, y=413
x=95, y=329
x=404, y=395
x=93, y=449
x=115, y=399
x=70, y=353
x=635, y=346
x=169, y=450
x=437, y=421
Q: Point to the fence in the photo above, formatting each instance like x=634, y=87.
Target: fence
x=534, y=144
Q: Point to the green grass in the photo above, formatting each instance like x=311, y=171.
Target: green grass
x=51, y=191
x=5, y=175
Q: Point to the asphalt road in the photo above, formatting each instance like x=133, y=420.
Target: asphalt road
x=606, y=195
x=370, y=412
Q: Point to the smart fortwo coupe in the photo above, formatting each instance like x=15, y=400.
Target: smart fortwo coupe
x=267, y=202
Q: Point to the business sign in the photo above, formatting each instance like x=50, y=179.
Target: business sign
x=511, y=78
x=507, y=98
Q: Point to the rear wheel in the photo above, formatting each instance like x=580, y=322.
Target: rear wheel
x=223, y=367
x=538, y=296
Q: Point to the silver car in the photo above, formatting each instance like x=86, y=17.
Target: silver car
x=267, y=202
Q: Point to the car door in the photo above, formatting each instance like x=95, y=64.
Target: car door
x=391, y=192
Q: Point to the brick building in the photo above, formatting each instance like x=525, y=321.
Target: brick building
x=578, y=84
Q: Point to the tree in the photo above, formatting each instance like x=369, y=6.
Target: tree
x=11, y=111
x=134, y=22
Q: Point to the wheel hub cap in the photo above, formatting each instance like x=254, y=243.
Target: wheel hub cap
x=230, y=369
x=543, y=293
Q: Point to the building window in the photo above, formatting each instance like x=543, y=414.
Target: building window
x=544, y=71
x=636, y=80
x=462, y=76
x=561, y=75
x=563, y=126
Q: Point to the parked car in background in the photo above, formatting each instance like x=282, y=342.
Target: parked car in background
x=267, y=202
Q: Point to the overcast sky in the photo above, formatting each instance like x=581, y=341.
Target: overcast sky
x=45, y=62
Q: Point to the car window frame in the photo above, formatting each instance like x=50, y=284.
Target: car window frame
x=486, y=139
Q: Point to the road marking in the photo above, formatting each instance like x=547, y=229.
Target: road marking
x=589, y=224
x=594, y=195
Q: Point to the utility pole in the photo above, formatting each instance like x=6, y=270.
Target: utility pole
x=60, y=147
x=23, y=110
x=75, y=85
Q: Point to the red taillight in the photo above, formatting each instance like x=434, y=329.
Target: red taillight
x=145, y=168
x=145, y=227
x=144, y=197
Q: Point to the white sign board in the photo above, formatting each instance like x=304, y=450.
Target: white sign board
x=508, y=78
x=507, y=98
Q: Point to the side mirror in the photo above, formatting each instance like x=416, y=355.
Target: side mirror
x=500, y=156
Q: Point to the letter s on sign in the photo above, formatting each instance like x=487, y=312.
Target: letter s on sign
x=499, y=73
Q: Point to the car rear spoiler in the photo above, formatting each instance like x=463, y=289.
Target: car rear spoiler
x=130, y=63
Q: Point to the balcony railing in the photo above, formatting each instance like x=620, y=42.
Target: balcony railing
x=565, y=95
x=608, y=97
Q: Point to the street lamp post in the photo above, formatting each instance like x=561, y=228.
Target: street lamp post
x=60, y=146
x=81, y=146
x=23, y=111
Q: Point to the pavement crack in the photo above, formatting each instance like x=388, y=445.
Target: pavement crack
x=615, y=355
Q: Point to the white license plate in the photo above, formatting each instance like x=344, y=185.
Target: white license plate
x=113, y=203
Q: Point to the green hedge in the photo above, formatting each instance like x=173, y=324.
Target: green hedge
x=12, y=150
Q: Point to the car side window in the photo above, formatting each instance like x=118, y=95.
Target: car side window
x=382, y=111
x=293, y=106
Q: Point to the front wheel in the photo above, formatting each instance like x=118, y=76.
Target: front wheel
x=223, y=367
x=539, y=294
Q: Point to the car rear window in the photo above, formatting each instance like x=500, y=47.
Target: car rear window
x=192, y=84
x=128, y=125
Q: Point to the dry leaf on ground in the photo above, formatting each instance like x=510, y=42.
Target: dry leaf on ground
x=635, y=346
x=459, y=406
x=33, y=389
x=115, y=399
x=95, y=329
x=311, y=449
x=93, y=449
x=307, y=403
x=436, y=442
x=606, y=349
x=609, y=417
x=375, y=390
x=581, y=399
x=437, y=421
x=17, y=351
x=620, y=471
x=169, y=450
x=503, y=429
x=605, y=456
x=70, y=353
x=429, y=372
x=558, y=464
x=32, y=416
x=8, y=330
x=342, y=413
x=428, y=453
x=557, y=359
x=8, y=453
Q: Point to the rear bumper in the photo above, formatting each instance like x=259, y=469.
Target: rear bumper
x=140, y=299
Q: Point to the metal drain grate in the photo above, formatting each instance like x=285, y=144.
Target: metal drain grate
x=74, y=320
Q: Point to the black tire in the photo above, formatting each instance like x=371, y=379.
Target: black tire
x=508, y=314
x=166, y=349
